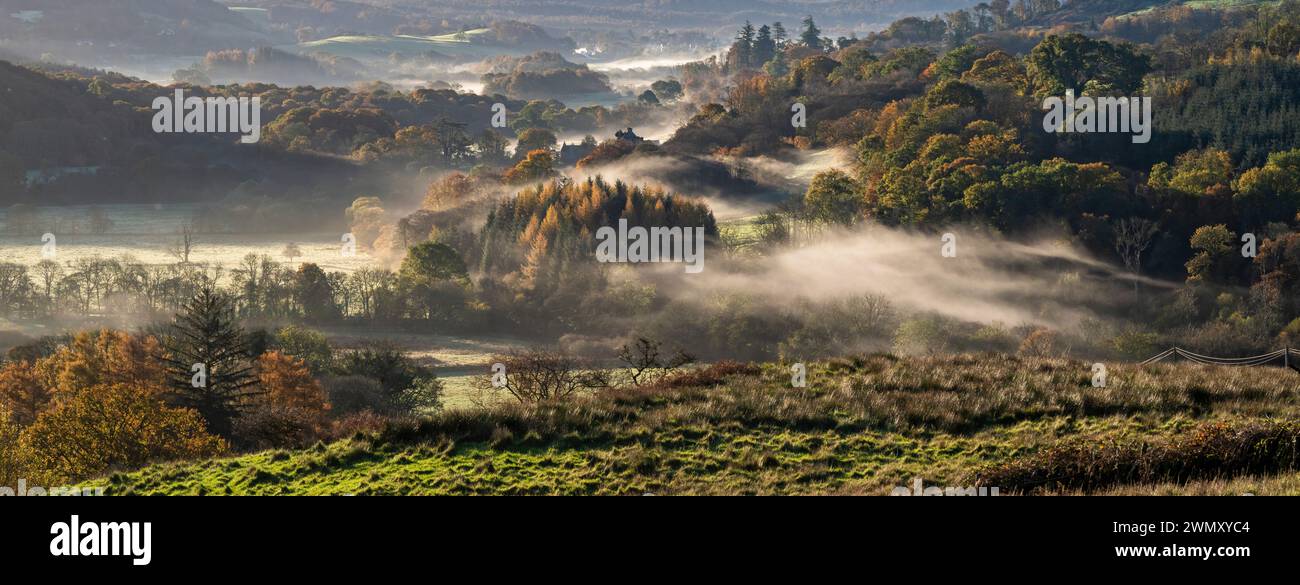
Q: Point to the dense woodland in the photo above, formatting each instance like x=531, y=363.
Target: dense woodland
x=542, y=75
x=313, y=139
x=964, y=145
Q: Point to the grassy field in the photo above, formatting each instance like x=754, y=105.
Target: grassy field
x=144, y=233
x=260, y=16
x=741, y=232
x=366, y=47
x=861, y=426
x=458, y=361
x=1205, y=5
x=1208, y=4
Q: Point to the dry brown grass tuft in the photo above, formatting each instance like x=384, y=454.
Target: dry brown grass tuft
x=1215, y=450
x=955, y=394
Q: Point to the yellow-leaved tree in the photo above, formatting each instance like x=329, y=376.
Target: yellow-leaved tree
x=109, y=426
x=11, y=463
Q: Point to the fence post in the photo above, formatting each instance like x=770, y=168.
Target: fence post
x=1286, y=357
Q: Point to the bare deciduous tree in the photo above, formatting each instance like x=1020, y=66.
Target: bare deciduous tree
x=646, y=363
x=1132, y=237
x=538, y=375
x=48, y=274
x=184, y=244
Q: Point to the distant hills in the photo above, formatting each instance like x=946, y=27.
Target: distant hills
x=1085, y=11
x=629, y=16
x=59, y=120
x=80, y=29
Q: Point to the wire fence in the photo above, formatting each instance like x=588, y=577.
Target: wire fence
x=1287, y=358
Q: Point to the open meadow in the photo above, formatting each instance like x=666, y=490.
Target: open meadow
x=861, y=426
x=147, y=234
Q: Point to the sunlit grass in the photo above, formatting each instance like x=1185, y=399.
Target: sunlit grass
x=861, y=426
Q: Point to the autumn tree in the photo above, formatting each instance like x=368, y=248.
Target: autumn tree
x=834, y=198
x=447, y=192
x=1196, y=172
x=533, y=139
x=1271, y=192
x=287, y=381
x=23, y=395
x=12, y=455
x=1216, y=254
x=102, y=357
x=538, y=165
x=741, y=54
x=1279, y=283
x=606, y=152
x=954, y=93
x=115, y=425
x=291, y=410
x=310, y=346
x=998, y=67
x=366, y=219
x=1085, y=65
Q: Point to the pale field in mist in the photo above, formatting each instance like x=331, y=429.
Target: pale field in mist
x=459, y=361
x=144, y=233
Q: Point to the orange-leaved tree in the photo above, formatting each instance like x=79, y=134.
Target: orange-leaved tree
x=102, y=357
x=110, y=426
x=290, y=409
x=23, y=394
x=287, y=382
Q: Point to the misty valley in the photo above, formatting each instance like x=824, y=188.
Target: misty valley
x=1020, y=247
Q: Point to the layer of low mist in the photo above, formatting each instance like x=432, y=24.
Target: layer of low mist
x=990, y=280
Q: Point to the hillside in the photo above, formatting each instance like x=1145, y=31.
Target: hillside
x=862, y=426
x=55, y=117
x=77, y=29
x=475, y=44
x=613, y=15
x=1095, y=11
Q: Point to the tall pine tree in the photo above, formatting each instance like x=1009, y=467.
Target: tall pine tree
x=208, y=366
x=812, y=36
x=743, y=49
x=764, y=46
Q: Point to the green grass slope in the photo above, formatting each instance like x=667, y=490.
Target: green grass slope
x=861, y=426
x=1200, y=5
x=371, y=47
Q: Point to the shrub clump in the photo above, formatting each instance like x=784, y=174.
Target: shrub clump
x=1214, y=450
